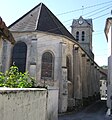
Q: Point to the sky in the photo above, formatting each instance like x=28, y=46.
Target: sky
x=66, y=11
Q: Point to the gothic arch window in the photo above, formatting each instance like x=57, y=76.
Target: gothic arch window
x=68, y=65
x=19, y=56
x=83, y=35
x=77, y=35
x=47, y=69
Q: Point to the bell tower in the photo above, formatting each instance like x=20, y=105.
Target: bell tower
x=82, y=30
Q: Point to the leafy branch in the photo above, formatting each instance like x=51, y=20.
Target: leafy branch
x=15, y=79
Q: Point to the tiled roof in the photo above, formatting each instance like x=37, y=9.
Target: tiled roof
x=42, y=19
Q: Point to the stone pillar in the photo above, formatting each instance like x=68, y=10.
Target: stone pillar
x=95, y=81
x=33, y=58
x=75, y=65
x=84, y=80
x=63, y=86
x=88, y=71
x=98, y=83
x=75, y=71
x=1, y=51
x=80, y=72
x=96, y=91
x=77, y=76
x=4, y=57
x=91, y=81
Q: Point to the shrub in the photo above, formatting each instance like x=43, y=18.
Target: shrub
x=15, y=79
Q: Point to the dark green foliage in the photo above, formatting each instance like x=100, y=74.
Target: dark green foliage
x=15, y=79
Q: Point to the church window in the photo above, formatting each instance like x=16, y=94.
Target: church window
x=19, y=56
x=68, y=65
x=83, y=35
x=77, y=35
x=47, y=66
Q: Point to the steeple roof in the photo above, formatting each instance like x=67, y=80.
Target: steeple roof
x=87, y=22
x=42, y=19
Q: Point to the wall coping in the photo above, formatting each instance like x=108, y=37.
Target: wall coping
x=14, y=90
x=52, y=88
x=5, y=88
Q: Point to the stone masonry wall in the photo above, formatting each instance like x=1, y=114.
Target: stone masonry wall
x=26, y=104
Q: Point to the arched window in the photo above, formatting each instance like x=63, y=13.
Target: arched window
x=77, y=35
x=47, y=66
x=83, y=35
x=68, y=65
x=19, y=56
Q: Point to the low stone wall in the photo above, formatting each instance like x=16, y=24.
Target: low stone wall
x=52, y=104
x=28, y=104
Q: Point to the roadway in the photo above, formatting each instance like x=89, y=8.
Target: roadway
x=96, y=111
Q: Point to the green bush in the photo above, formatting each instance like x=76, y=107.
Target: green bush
x=15, y=79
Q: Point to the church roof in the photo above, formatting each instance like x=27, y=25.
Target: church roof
x=42, y=19
x=88, y=21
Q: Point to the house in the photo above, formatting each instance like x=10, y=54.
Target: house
x=103, y=89
x=108, y=33
x=5, y=34
x=54, y=57
x=103, y=83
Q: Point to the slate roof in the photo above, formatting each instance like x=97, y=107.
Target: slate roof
x=42, y=19
x=88, y=21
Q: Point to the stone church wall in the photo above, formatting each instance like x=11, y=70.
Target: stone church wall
x=77, y=91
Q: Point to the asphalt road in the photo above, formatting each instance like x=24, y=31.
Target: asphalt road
x=96, y=111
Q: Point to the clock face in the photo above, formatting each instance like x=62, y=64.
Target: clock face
x=80, y=22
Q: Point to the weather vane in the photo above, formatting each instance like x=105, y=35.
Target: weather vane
x=82, y=10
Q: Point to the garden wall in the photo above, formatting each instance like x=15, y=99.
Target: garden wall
x=28, y=104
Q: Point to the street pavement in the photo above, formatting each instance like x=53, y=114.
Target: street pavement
x=96, y=111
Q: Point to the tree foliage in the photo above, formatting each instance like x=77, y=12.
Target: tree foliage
x=15, y=79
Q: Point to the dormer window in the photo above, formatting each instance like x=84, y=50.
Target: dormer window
x=77, y=35
x=83, y=35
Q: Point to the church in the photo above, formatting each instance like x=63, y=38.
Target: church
x=54, y=56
